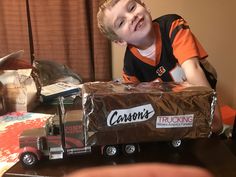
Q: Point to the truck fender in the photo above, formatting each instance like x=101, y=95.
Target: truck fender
x=32, y=150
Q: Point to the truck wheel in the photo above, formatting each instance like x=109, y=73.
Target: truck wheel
x=110, y=151
x=129, y=149
x=176, y=143
x=28, y=159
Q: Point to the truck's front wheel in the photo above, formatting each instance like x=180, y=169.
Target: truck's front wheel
x=28, y=159
x=110, y=150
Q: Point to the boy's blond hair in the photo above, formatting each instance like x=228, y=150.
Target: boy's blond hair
x=104, y=28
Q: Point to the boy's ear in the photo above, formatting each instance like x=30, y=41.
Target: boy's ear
x=120, y=42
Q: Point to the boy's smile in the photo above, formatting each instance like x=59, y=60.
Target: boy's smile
x=137, y=24
x=130, y=21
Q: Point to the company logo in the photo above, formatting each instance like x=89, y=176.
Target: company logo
x=160, y=71
x=135, y=114
x=177, y=121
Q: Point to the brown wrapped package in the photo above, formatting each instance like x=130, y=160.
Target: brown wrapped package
x=116, y=113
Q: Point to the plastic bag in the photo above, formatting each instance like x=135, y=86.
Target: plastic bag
x=51, y=72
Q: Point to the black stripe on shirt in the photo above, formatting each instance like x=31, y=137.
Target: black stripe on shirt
x=176, y=30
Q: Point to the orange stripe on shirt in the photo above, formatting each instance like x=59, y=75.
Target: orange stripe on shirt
x=129, y=79
x=177, y=23
x=185, y=44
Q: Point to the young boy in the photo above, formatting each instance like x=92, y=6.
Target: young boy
x=163, y=49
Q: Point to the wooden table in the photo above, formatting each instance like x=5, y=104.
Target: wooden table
x=214, y=154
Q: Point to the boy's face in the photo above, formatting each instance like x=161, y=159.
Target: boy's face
x=129, y=20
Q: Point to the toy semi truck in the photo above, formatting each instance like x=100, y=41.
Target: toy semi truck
x=117, y=117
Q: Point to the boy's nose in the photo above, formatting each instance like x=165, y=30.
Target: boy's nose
x=132, y=18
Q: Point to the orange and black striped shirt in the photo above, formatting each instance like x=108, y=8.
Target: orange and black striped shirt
x=175, y=44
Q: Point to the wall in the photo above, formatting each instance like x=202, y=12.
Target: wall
x=213, y=24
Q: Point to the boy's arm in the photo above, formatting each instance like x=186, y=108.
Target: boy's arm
x=194, y=72
x=129, y=79
x=196, y=76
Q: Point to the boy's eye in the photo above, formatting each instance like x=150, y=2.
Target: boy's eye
x=131, y=6
x=120, y=23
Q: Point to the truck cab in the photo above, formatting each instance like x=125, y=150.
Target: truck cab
x=54, y=140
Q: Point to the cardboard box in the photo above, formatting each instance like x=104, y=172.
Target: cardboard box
x=21, y=90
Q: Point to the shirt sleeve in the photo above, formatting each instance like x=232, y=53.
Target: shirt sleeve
x=129, y=79
x=185, y=45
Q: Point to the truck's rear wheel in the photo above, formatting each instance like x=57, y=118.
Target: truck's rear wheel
x=129, y=149
x=110, y=150
x=28, y=159
x=176, y=143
